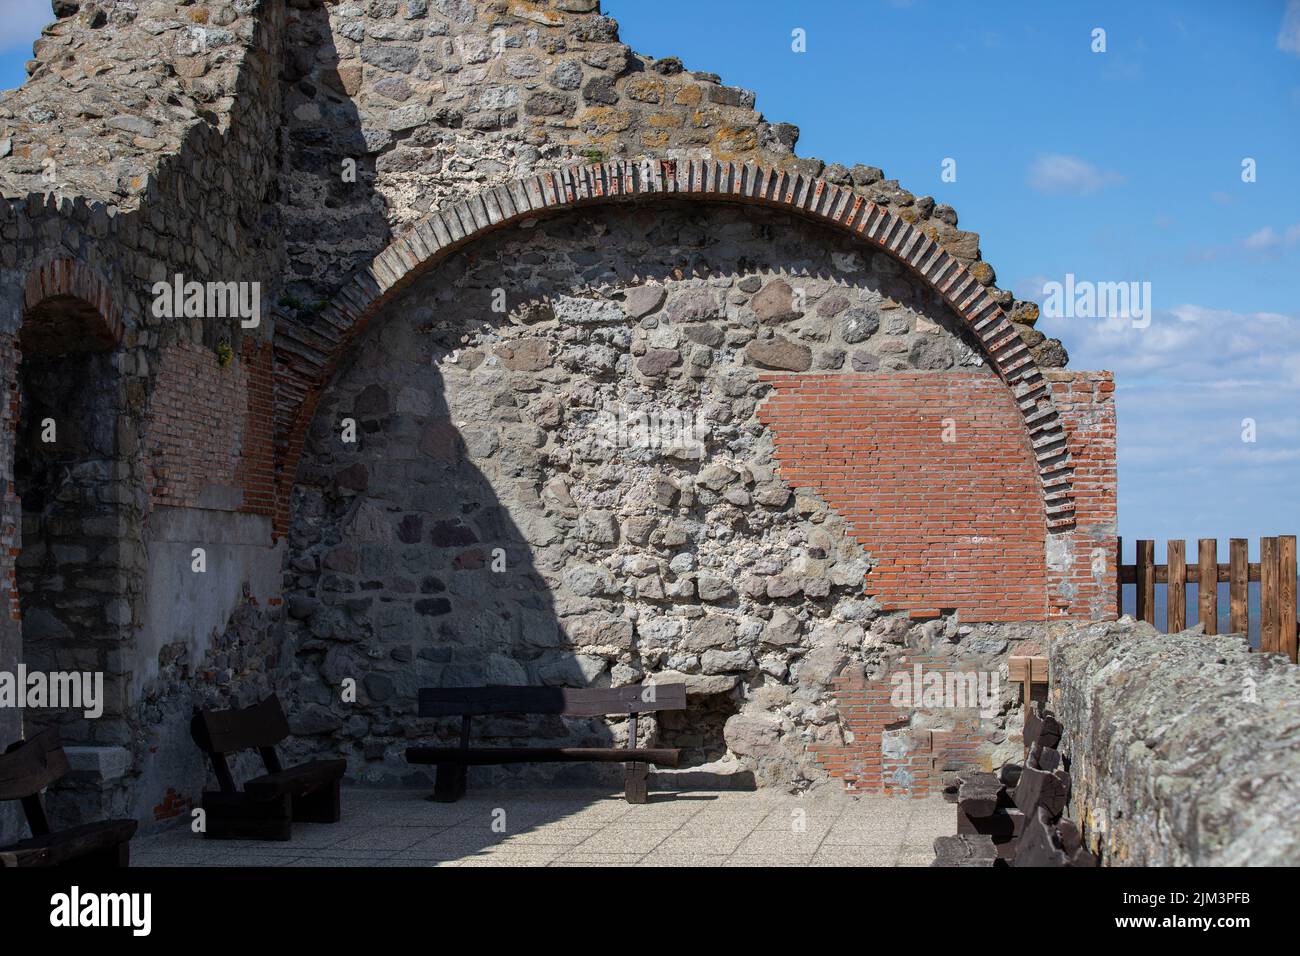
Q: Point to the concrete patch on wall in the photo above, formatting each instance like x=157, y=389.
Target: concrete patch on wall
x=190, y=607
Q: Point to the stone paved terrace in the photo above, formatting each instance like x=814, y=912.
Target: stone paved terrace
x=586, y=828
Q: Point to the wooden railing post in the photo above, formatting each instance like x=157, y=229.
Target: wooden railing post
x=1207, y=588
x=1270, y=637
x=1146, y=581
x=1176, y=586
x=1238, y=586
x=1287, y=595
x=1119, y=576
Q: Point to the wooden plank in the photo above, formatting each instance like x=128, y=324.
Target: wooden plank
x=1146, y=583
x=1128, y=573
x=1287, y=594
x=1270, y=636
x=1207, y=594
x=1176, y=592
x=1239, y=586
x=1038, y=670
x=1017, y=669
x=578, y=702
x=491, y=756
x=248, y=728
x=1119, y=576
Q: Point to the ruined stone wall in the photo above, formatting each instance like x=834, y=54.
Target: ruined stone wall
x=137, y=151
x=1183, y=747
x=582, y=487
x=290, y=143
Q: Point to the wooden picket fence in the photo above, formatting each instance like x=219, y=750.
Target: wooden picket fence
x=1275, y=572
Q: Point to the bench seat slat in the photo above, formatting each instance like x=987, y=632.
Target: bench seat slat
x=568, y=701
x=55, y=848
x=484, y=756
x=299, y=780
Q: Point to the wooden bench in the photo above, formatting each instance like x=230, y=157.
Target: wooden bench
x=27, y=768
x=268, y=805
x=468, y=702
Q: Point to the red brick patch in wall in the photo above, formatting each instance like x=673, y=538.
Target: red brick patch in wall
x=256, y=472
x=209, y=425
x=934, y=474
x=172, y=806
x=915, y=766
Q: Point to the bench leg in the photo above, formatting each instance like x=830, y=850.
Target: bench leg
x=234, y=817
x=319, y=806
x=105, y=858
x=449, y=785
x=635, y=782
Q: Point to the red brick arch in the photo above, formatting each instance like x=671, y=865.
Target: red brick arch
x=308, y=354
x=68, y=278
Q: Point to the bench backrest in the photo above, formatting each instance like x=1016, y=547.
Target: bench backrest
x=29, y=766
x=244, y=728
x=572, y=702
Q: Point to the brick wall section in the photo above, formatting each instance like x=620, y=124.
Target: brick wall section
x=917, y=756
x=209, y=425
x=1086, y=403
x=256, y=472
x=951, y=524
x=194, y=428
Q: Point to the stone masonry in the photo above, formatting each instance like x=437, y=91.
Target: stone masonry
x=566, y=370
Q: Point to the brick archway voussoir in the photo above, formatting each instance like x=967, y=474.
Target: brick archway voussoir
x=307, y=356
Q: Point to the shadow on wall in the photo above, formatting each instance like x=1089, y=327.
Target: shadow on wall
x=318, y=213
x=407, y=571
x=334, y=218
x=65, y=473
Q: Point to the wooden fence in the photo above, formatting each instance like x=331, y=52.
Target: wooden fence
x=1275, y=571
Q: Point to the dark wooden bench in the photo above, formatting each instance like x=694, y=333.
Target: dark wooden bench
x=268, y=805
x=27, y=768
x=468, y=702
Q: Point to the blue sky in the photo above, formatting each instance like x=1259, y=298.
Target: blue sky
x=1122, y=165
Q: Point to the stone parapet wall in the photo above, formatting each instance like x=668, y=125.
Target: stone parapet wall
x=1184, y=748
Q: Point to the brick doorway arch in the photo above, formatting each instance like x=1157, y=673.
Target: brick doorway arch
x=68, y=586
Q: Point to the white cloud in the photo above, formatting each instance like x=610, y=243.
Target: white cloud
x=1055, y=174
x=1265, y=238
x=1288, y=38
x=1209, y=350
x=1268, y=238
x=23, y=21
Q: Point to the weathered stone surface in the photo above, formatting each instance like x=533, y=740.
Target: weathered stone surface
x=775, y=303
x=780, y=353
x=642, y=300
x=1163, y=731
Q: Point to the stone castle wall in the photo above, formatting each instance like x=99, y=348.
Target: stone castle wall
x=314, y=148
x=598, y=482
